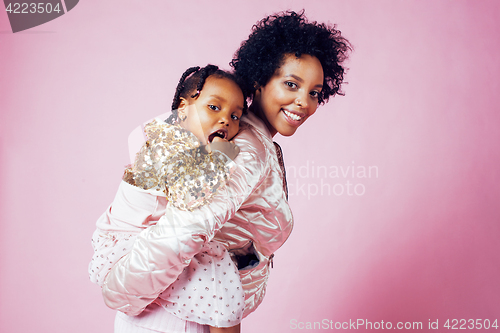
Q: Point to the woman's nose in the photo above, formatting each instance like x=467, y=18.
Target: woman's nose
x=301, y=100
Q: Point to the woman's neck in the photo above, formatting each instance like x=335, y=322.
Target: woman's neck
x=256, y=110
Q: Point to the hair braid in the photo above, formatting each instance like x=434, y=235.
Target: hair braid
x=205, y=72
x=178, y=93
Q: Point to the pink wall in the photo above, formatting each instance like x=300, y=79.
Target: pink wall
x=419, y=240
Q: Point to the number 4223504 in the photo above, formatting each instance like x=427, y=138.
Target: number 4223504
x=32, y=8
x=463, y=324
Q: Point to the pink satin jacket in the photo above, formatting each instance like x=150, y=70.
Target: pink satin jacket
x=137, y=255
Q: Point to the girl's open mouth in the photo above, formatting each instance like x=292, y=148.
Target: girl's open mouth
x=221, y=133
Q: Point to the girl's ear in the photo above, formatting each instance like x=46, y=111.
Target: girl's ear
x=182, y=109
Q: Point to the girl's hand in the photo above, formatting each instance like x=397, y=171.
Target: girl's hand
x=228, y=148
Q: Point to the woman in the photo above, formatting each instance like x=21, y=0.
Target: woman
x=290, y=66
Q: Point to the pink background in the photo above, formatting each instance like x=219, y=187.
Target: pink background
x=421, y=108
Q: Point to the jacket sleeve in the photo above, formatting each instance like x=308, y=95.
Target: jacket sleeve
x=132, y=211
x=160, y=252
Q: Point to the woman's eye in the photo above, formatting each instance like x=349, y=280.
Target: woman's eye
x=290, y=84
x=213, y=107
x=315, y=94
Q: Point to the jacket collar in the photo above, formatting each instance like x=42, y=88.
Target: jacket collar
x=258, y=124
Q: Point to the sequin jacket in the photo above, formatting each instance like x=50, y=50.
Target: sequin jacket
x=137, y=255
x=173, y=161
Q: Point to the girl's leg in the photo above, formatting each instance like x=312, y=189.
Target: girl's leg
x=234, y=329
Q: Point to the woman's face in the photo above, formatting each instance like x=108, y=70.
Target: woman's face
x=291, y=95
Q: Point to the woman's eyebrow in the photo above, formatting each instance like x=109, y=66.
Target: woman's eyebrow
x=298, y=78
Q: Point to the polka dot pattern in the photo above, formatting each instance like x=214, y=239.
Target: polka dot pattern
x=208, y=291
x=108, y=249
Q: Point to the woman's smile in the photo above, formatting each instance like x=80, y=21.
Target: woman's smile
x=294, y=118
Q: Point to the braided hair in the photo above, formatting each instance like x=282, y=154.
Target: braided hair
x=191, y=83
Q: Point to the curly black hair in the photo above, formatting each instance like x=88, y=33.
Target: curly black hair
x=278, y=35
x=192, y=82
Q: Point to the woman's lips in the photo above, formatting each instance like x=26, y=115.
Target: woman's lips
x=293, y=118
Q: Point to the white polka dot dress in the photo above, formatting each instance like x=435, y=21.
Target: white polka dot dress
x=208, y=291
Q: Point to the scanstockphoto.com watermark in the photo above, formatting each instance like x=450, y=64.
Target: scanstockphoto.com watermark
x=312, y=180
x=368, y=325
x=358, y=324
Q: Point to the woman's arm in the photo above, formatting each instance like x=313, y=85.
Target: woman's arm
x=162, y=251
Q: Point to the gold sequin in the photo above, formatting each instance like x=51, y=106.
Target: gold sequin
x=173, y=161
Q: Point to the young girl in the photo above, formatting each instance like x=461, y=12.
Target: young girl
x=186, y=159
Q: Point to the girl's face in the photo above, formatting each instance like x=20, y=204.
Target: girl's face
x=216, y=112
x=291, y=95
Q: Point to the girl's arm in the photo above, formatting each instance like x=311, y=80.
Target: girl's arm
x=160, y=252
x=132, y=211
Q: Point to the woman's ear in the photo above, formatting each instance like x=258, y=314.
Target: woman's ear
x=256, y=86
x=257, y=92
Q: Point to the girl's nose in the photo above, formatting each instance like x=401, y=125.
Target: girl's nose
x=224, y=119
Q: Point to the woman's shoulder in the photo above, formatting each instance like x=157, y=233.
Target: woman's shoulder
x=252, y=127
x=252, y=142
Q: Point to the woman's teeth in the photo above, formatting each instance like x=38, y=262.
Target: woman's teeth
x=292, y=115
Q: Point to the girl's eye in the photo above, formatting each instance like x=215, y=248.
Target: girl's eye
x=290, y=84
x=235, y=117
x=213, y=107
